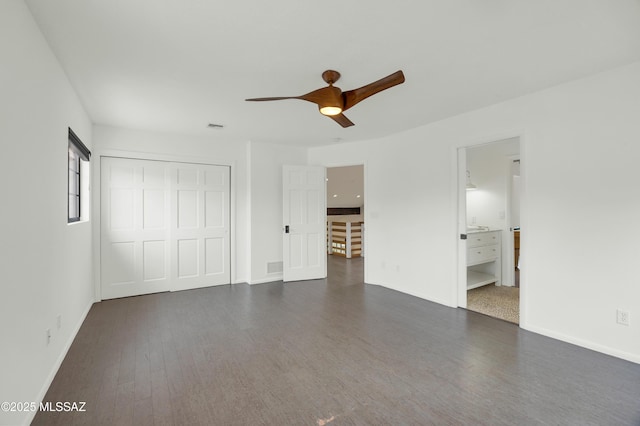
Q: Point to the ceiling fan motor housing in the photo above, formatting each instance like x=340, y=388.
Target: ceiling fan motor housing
x=331, y=103
x=330, y=76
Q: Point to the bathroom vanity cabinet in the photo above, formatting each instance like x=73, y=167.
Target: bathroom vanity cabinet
x=484, y=258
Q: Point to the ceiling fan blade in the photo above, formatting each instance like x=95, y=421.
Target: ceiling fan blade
x=352, y=97
x=272, y=99
x=325, y=96
x=342, y=120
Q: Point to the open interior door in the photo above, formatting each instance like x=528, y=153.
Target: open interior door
x=462, y=228
x=304, y=223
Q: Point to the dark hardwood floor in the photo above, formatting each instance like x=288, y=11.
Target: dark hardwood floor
x=333, y=351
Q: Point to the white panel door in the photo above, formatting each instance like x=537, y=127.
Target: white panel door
x=164, y=226
x=303, y=217
x=134, y=227
x=200, y=226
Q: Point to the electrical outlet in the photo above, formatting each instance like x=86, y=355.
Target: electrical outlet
x=48, y=331
x=622, y=317
x=59, y=321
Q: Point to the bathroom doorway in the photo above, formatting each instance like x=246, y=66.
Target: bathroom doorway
x=488, y=212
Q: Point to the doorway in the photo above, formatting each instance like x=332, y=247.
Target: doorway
x=487, y=216
x=345, y=220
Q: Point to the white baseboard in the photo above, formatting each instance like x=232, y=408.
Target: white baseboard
x=275, y=277
x=58, y=363
x=584, y=343
x=443, y=302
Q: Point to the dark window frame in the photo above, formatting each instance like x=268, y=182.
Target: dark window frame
x=80, y=153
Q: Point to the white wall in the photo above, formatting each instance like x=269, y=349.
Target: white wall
x=45, y=264
x=347, y=182
x=579, y=151
x=266, y=162
x=175, y=147
x=490, y=168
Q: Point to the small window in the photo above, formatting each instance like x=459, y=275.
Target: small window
x=79, y=155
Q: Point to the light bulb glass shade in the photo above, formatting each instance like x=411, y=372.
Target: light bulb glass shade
x=330, y=110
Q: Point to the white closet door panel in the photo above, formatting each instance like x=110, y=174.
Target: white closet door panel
x=215, y=207
x=122, y=209
x=120, y=265
x=155, y=176
x=201, y=194
x=188, y=175
x=134, y=227
x=154, y=260
x=121, y=175
x=215, y=256
x=188, y=257
x=164, y=226
x=217, y=177
x=187, y=209
x=153, y=206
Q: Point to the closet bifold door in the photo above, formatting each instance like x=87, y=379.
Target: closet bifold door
x=134, y=231
x=200, y=226
x=164, y=226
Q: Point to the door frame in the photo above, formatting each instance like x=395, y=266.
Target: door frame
x=459, y=194
x=95, y=215
x=363, y=163
x=509, y=248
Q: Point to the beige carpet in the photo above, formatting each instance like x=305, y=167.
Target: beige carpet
x=499, y=302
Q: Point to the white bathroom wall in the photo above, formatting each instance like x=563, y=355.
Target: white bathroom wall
x=266, y=161
x=45, y=264
x=488, y=205
x=579, y=149
x=167, y=146
x=489, y=168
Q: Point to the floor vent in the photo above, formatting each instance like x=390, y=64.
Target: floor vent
x=274, y=267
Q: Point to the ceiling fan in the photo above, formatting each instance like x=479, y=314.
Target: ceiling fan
x=332, y=101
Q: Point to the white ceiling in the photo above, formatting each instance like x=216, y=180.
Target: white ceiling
x=177, y=65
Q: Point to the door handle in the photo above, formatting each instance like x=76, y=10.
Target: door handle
x=286, y=229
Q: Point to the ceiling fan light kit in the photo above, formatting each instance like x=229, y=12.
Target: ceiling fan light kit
x=330, y=110
x=332, y=101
